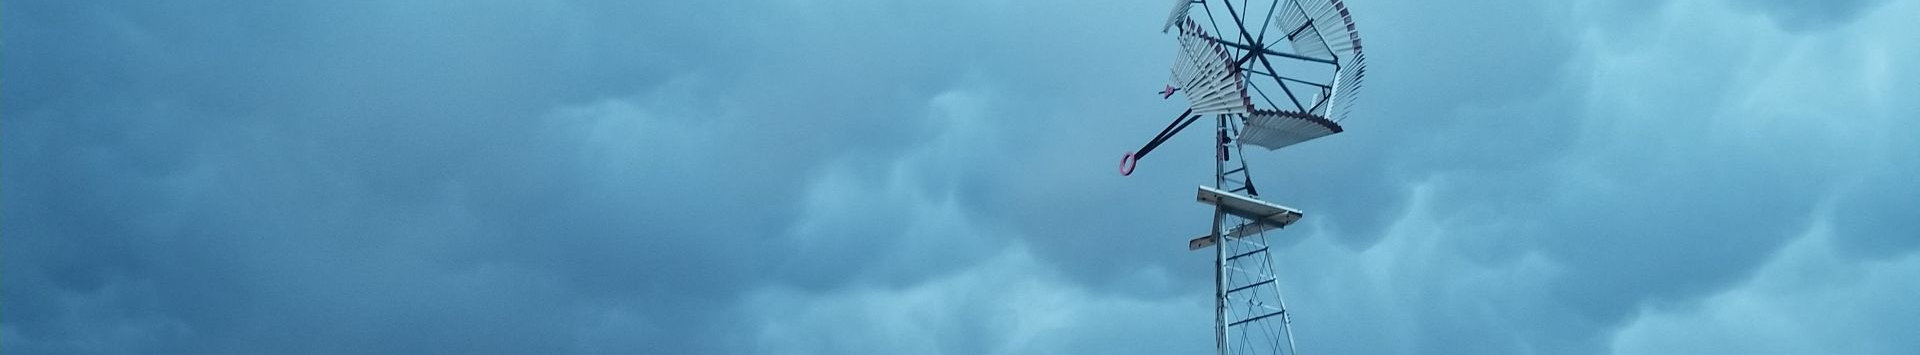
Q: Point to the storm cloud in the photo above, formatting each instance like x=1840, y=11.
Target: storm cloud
x=865, y=177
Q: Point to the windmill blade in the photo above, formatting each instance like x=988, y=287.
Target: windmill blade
x=1212, y=81
x=1278, y=129
x=1324, y=28
x=1179, y=13
x=1307, y=41
x=1345, y=85
x=1328, y=18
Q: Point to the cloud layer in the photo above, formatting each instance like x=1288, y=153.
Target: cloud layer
x=872, y=177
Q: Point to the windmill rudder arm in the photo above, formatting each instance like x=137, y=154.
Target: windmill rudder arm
x=1132, y=158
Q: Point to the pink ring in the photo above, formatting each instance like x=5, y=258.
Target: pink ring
x=1126, y=164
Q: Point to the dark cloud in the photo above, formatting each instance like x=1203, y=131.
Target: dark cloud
x=1875, y=215
x=606, y=177
x=366, y=178
x=500, y=178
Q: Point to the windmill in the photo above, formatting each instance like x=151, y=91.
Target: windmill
x=1270, y=75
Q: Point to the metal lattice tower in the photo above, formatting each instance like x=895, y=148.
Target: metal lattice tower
x=1251, y=312
x=1282, y=57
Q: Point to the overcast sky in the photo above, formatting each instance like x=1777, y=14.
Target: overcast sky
x=888, y=177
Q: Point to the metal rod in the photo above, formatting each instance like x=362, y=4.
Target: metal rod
x=1263, y=316
x=1286, y=320
x=1322, y=86
x=1263, y=95
x=1283, y=85
x=1252, y=285
x=1242, y=255
x=1268, y=20
x=1239, y=23
x=1268, y=51
x=1172, y=128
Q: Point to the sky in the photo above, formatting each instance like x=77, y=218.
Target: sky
x=894, y=177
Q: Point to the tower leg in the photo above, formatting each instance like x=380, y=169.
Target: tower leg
x=1219, y=247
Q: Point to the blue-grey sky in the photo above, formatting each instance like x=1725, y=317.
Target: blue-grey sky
x=886, y=177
